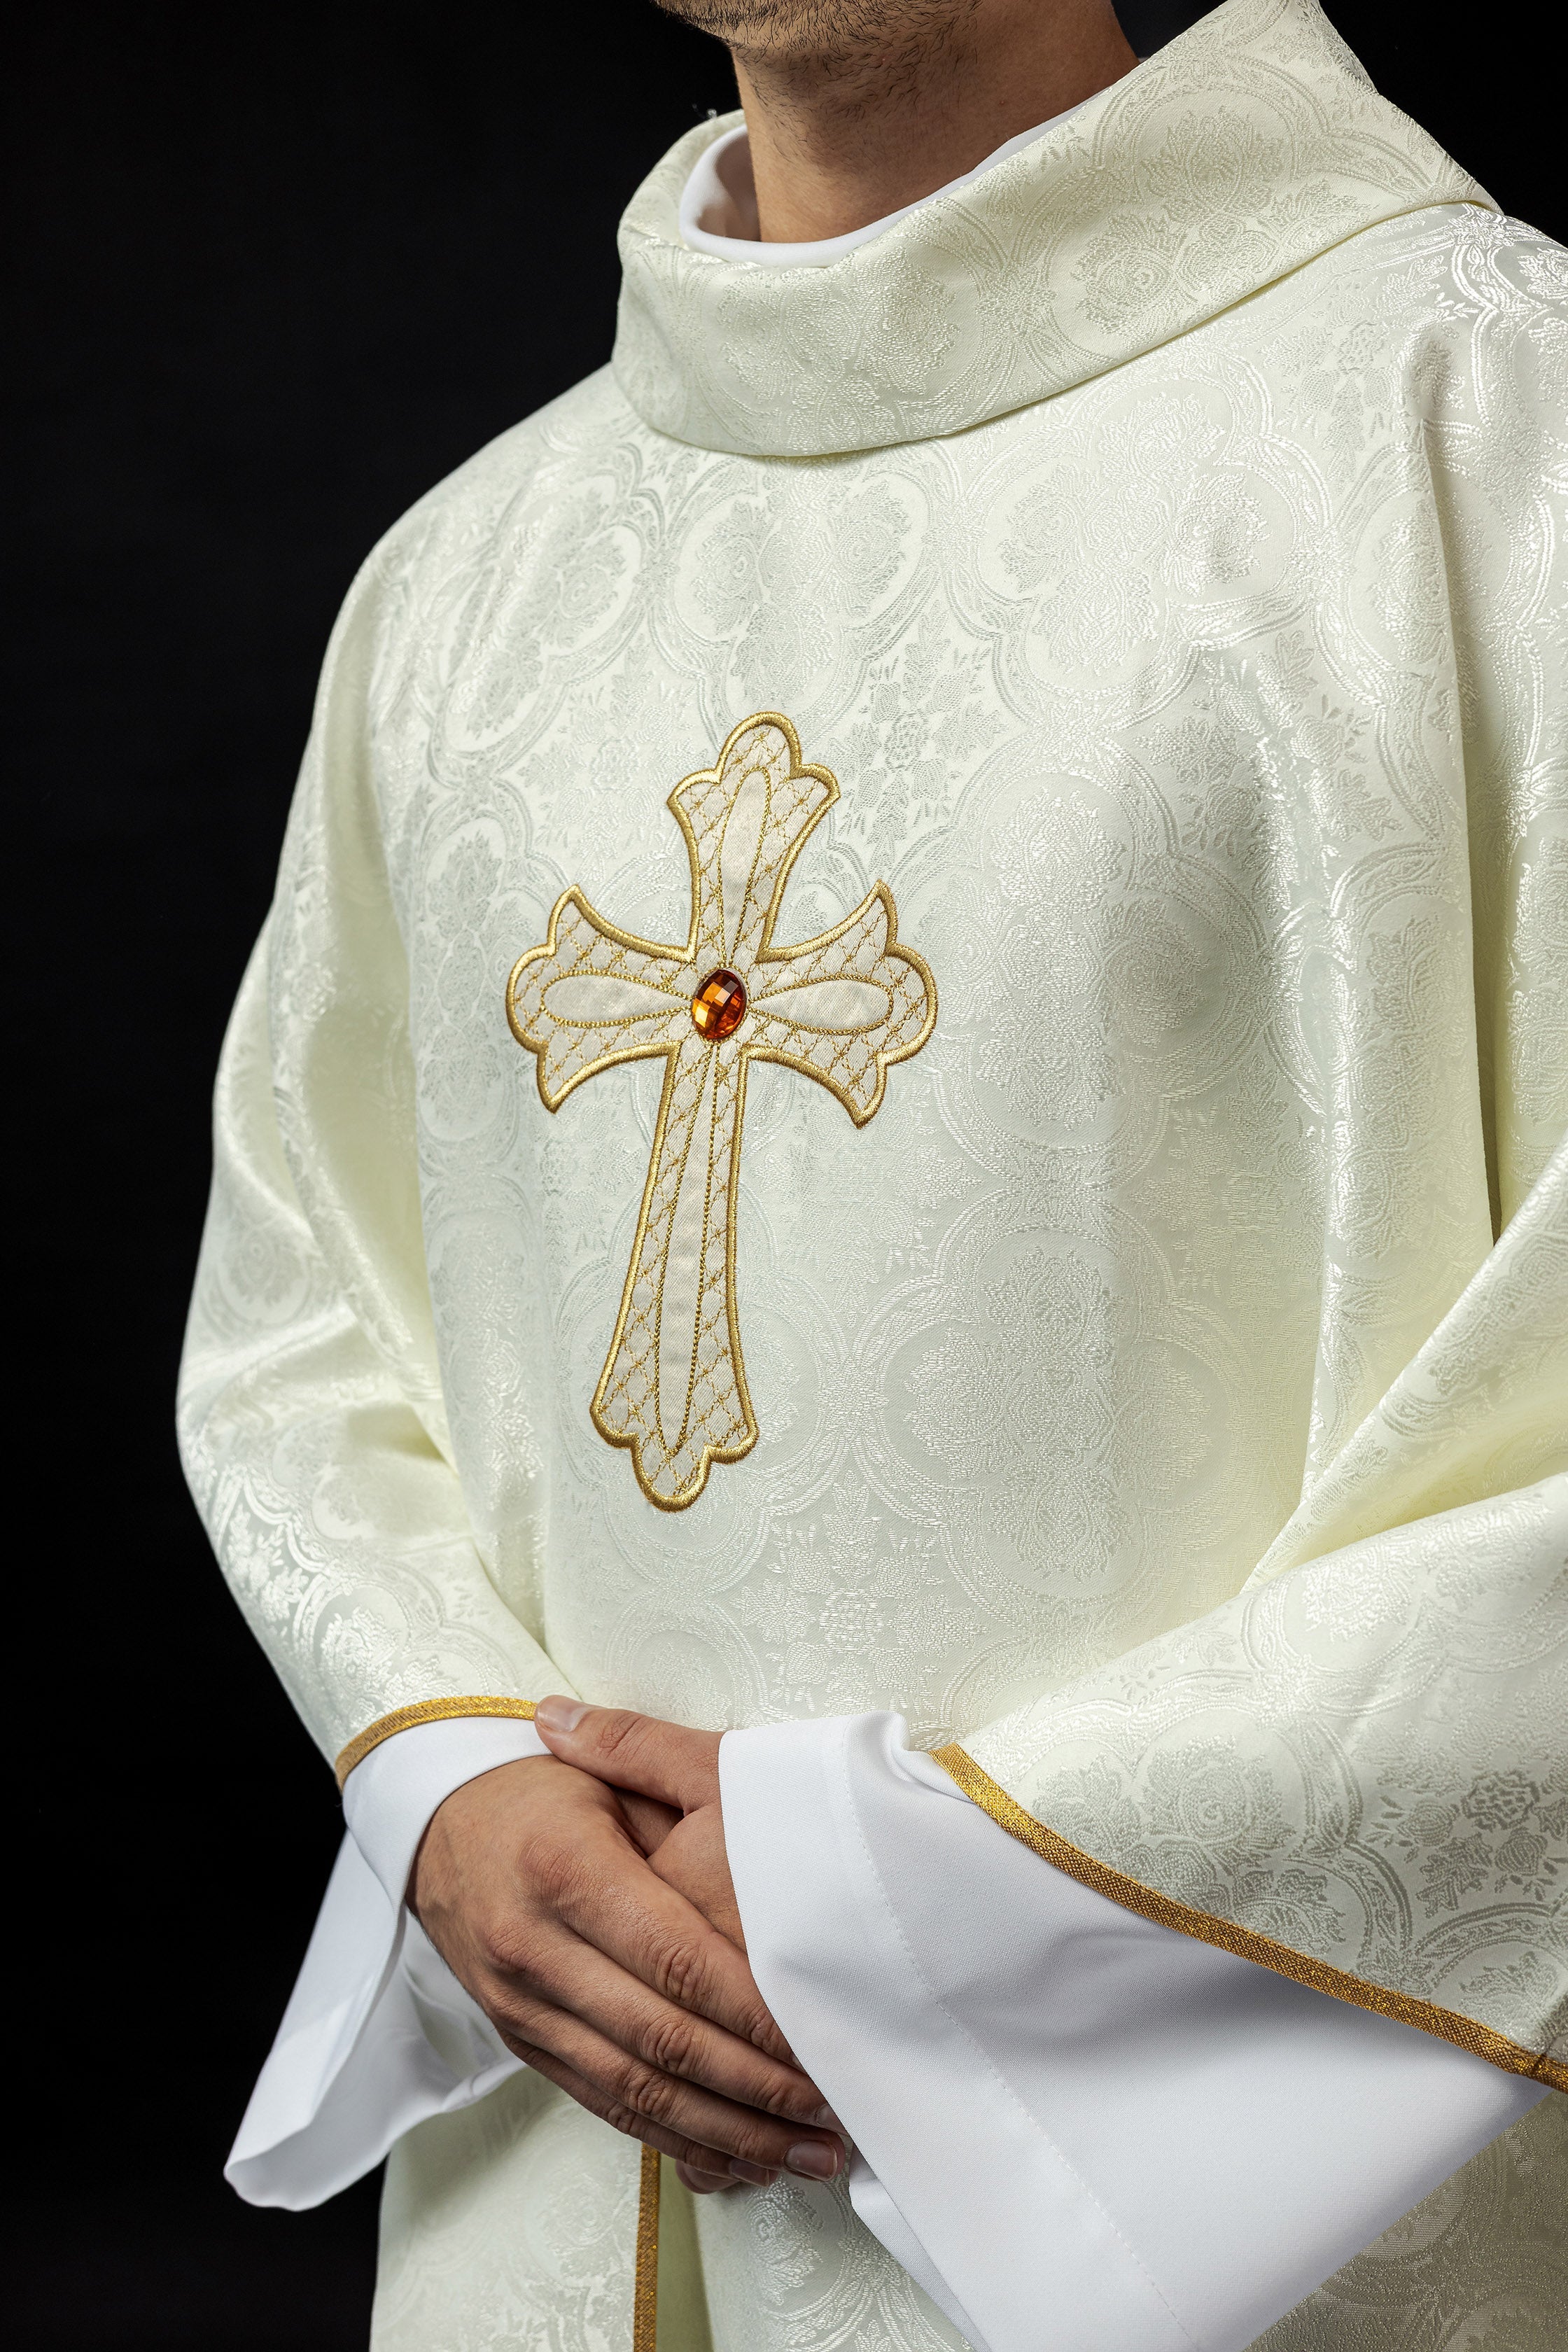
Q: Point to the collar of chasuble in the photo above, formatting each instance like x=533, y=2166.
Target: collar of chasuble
x=1248, y=145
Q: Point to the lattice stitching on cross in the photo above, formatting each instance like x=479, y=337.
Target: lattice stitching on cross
x=841, y=1008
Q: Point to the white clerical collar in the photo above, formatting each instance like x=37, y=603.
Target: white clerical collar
x=719, y=205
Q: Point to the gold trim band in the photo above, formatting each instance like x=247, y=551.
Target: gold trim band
x=1448, y=2025
x=429, y=1710
x=645, y=2301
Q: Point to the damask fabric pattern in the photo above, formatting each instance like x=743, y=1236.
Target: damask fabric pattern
x=1206, y=725
x=500, y=2227
x=1362, y=1761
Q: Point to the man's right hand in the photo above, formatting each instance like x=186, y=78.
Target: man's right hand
x=533, y=1884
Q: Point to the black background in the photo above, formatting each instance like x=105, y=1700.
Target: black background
x=279, y=270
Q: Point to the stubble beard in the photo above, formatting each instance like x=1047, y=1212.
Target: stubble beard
x=826, y=30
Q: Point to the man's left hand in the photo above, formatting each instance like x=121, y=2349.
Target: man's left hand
x=678, y=1768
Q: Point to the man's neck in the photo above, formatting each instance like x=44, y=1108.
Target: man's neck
x=847, y=133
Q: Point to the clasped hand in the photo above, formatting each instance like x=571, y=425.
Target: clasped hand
x=584, y=1900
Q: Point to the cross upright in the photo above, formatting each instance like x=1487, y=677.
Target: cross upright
x=840, y=1008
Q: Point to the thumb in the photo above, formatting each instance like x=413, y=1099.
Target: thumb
x=633, y=1751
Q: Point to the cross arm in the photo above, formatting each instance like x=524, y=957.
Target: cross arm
x=592, y=996
x=842, y=1008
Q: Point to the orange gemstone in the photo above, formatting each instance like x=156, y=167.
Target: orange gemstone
x=719, y=1006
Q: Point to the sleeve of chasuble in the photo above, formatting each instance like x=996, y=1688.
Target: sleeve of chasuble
x=311, y=1419
x=1152, y=2002
x=315, y=1438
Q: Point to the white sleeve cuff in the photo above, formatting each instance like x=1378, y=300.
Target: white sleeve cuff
x=1056, y=2105
x=389, y=1800
x=378, y=2033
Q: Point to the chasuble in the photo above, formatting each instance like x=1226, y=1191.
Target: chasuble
x=906, y=1093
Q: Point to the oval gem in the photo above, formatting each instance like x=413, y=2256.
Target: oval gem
x=719, y=1006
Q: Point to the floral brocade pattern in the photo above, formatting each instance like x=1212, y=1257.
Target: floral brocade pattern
x=1145, y=1396
x=1358, y=1760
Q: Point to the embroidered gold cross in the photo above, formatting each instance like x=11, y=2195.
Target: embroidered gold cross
x=839, y=1009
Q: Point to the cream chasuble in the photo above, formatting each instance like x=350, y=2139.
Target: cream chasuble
x=1017, y=1176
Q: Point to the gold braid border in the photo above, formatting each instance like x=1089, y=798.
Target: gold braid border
x=429, y=1710
x=1165, y=1912
x=644, y=2304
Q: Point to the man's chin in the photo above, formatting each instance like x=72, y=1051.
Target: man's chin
x=804, y=28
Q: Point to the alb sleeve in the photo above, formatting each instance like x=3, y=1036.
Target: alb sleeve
x=378, y=2033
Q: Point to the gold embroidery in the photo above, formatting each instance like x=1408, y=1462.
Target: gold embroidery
x=841, y=1009
x=428, y=1711
x=644, y=2300
x=1448, y=2025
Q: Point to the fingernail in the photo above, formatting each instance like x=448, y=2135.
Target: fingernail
x=829, y=2120
x=559, y=1714
x=755, y=2172
x=815, y=2160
